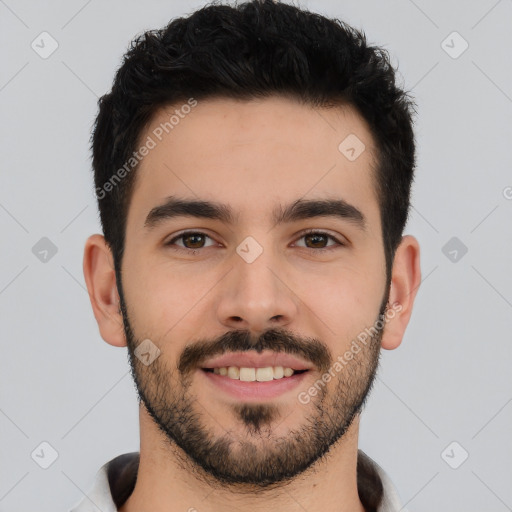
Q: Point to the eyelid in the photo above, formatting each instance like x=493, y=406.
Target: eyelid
x=340, y=241
x=181, y=234
x=311, y=231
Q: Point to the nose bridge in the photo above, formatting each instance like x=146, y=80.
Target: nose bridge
x=253, y=295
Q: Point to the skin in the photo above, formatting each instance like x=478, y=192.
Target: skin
x=251, y=156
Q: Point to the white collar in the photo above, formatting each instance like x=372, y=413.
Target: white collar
x=100, y=496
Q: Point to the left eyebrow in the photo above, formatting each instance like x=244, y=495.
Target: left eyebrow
x=298, y=210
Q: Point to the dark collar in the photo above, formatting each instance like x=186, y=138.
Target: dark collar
x=122, y=475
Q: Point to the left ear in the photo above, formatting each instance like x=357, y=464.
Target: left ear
x=405, y=281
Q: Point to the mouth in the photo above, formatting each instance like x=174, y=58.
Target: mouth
x=251, y=384
x=251, y=376
x=248, y=374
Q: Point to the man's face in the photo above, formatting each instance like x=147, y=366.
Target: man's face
x=254, y=285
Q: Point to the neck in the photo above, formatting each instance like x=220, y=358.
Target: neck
x=167, y=478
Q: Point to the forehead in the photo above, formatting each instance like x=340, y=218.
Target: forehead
x=254, y=154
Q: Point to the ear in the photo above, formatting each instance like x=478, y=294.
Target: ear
x=100, y=278
x=405, y=281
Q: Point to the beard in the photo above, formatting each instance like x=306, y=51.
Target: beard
x=259, y=459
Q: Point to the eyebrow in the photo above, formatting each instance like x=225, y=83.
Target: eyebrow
x=298, y=210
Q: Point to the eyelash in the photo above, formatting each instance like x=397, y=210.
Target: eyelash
x=303, y=234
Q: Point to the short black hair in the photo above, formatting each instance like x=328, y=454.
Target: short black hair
x=255, y=49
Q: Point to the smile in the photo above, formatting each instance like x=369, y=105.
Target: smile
x=243, y=384
x=245, y=374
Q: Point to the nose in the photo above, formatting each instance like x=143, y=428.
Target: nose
x=255, y=295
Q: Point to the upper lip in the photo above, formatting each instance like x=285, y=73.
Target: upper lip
x=255, y=360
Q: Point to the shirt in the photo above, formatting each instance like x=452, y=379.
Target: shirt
x=115, y=481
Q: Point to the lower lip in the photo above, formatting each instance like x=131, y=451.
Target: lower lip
x=243, y=390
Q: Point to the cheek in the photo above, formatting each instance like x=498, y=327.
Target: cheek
x=347, y=302
x=161, y=296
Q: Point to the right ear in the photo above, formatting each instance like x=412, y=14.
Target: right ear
x=100, y=278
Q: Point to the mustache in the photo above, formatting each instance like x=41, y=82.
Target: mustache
x=241, y=340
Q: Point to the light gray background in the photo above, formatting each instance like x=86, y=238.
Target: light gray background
x=449, y=381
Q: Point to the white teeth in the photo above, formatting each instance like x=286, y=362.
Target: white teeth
x=234, y=372
x=278, y=372
x=265, y=374
x=248, y=374
x=254, y=374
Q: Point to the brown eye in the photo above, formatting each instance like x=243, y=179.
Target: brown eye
x=318, y=240
x=191, y=240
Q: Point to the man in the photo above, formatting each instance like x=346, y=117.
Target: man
x=253, y=167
